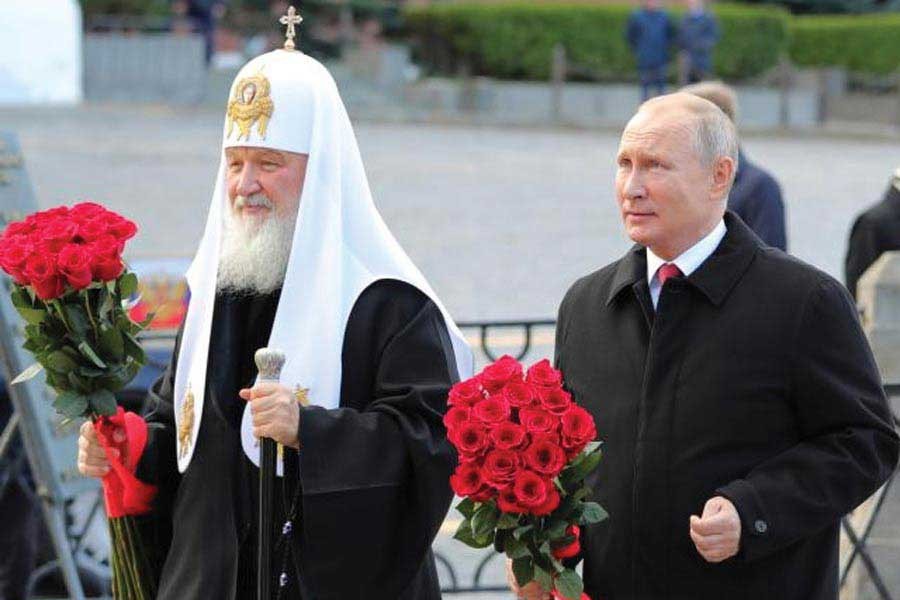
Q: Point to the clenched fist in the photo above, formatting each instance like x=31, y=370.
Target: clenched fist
x=276, y=413
x=717, y=532
x=92, y=459
x=532, y=591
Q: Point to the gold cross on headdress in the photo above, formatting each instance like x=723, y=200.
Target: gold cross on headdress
x=290, y=19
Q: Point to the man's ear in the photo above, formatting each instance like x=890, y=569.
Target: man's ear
x=722, y=177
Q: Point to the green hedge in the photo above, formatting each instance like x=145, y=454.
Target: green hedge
x=514, y=40
x=869, y=43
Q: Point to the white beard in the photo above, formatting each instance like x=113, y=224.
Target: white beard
x=254, y=254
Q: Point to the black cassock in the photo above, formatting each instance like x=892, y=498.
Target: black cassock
x=373, y=474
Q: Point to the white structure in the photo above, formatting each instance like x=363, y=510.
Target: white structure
x=40, y=52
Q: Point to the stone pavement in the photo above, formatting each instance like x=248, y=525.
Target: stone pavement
x=500, y=220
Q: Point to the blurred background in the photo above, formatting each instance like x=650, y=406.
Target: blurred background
x=488, y=129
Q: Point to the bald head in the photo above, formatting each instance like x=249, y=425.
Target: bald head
x=676, y=164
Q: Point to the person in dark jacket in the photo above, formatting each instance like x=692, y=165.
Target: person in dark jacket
x=697, y=36
x=755, y=196
x=650, y=34
x=874, y=232
x=740, y=406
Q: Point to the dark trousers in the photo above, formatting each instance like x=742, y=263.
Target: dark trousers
x=19, y=537
x=653, y=77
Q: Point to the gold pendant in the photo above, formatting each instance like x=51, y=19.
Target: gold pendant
x=250, y=104
x=302, y=395
x=187, y=423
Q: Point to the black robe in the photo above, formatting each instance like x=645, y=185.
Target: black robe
x=751, y=380
x=373, y=474
x=875, y=231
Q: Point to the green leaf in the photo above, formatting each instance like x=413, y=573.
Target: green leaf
x=19, y=297
x=147, y=320
x=28, y=373
x=103, y=402
x=520, y=531
x=557, y=530
x=508, y=521
x=464, y=534
x=523, y=569
x=60, y=362
x=32, y=315
x=133, y=349
x=128, y=284
x=543, y=577
x=484, y=521
x=569, y=584
x=78, y=320
x=70, y=404
x=111, y=343
x=580, y=469
x=89, y=352
x=516, y=548
x=77, y=382
x=466, y=507
x=106, y=305
x=593, y=513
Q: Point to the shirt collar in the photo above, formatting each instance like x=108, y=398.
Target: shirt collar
x=693, y=257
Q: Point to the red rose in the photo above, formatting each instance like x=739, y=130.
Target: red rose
x=108, y=246
x=469, y=438
x=456, y=416
x=545, y=457
x=106, y=269
x=501, y=372
x=75, y=263
x=466, y=393
x=572, y=549
x=536, y=420
x=555, y=400
x=85, y=211
x=44, y=278
x=578, y=428
x=500, y=467
x=18, y=228
x=492, y=410
x=530, y=488
x=550, y=503
x=14, y=253
x=518, y=394
x=57, y=234
x=543, y=374
x=91, y=229
x=507, y=501
x=507, y=435
x=466, y=480
x=121, y=227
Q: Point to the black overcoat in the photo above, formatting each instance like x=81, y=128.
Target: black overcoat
x=752, y=380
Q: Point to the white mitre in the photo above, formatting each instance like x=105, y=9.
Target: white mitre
x=286, y=100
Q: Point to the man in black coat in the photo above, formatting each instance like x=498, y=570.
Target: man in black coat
x=739, y=403
x=874, y=232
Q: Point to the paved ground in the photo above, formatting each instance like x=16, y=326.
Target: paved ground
x=501, y=221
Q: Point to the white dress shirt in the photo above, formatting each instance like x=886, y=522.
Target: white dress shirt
x=687, y=262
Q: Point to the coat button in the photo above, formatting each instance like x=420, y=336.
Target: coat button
x=761, y=526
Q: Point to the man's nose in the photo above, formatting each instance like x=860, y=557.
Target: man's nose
x=634, y=188
x=248, y=183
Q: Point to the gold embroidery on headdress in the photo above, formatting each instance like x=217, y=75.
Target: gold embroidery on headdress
x=250, y=104
x=187, y=423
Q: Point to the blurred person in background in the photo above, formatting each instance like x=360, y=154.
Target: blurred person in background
x=875, y=231
x=697, y=37
x=203, y=16
x=755, y=196
x=650, y=34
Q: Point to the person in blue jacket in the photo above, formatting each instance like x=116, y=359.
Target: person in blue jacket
x=650, y=34
x=755, y=196
x=698, y=36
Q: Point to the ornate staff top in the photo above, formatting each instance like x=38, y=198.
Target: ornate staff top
x=291, y=19
x=269, y=362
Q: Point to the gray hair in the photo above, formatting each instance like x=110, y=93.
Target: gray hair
x=719, y=93
x=715, y=137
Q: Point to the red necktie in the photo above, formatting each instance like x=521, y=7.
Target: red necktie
x=666, y=271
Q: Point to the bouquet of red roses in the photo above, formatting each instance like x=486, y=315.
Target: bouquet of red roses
x=71, y=287
x=525, y=449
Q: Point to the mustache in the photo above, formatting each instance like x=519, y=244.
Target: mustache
x=254, y=200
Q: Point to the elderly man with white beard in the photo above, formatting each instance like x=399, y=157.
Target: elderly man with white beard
x=295, y=256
